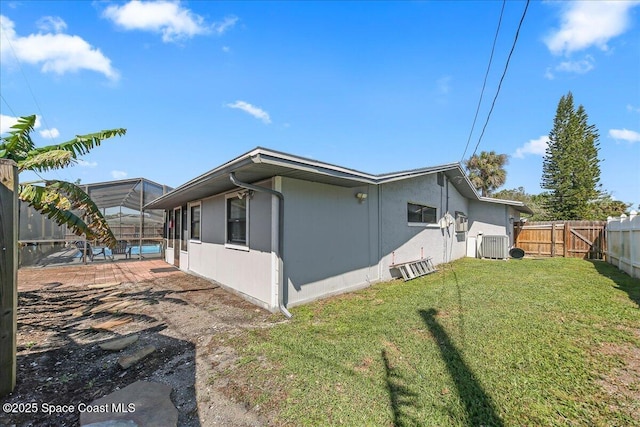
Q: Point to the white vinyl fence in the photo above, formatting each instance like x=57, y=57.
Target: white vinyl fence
x=623, y=243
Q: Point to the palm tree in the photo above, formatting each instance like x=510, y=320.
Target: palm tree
x=486, y=171
x=61, y=201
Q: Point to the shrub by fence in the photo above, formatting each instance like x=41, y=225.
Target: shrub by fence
x=623, y=238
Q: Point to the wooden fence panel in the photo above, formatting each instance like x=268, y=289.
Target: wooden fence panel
x=577, y=239
x=587, y=239
x=8, y=274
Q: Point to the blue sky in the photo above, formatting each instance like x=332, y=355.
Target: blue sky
x=374, y=86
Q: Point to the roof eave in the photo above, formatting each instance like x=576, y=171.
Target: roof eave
x=517, y=205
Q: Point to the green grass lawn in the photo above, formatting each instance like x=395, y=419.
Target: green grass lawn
x=523, y=342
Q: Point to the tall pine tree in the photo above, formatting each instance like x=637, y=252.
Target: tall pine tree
x=571, y=168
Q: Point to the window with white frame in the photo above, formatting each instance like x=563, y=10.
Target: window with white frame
x=237, y=224
x=421, y=214
x=183, y=244
x=170, y=228
x=195, y=222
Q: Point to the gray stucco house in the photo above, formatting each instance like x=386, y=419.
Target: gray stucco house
x=282, y=230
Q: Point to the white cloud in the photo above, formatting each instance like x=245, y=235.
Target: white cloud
x=548, y=74
x=582, y=66
x=589, y=23
x=52, y=24
x=444, y=84
x=633, y=109
x=625, y=135
x=256, y=112
x=118, y=174
x=7, y=121
x=87, y=164
x=226, y=24
x=169, y=18
x=579, y=67
x=56, y=52
x=534, y=146
x=49, y=133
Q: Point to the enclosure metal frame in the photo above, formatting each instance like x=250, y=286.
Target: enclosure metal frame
x=106, y=195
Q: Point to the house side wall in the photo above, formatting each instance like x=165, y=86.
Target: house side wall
x=248, y=272
x=492, y=219
x=331, y=239
x=403, y=242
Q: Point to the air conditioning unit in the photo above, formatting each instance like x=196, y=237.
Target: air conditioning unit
x=496, y=247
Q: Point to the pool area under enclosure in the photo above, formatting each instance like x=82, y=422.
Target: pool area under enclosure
x=139, y=232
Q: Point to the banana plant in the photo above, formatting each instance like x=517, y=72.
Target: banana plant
x=63, y=202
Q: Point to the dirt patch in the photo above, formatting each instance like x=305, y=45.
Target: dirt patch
x=622, y=384
x=187, y=319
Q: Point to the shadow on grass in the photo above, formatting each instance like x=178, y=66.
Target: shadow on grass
x=401, y=397
x=622, y=280
x=479, y=407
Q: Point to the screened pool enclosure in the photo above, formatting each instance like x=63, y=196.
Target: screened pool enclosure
x=139, y=233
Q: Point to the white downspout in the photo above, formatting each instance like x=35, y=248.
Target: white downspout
x=280, y=197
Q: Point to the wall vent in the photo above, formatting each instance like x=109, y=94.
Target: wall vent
x=496, y=247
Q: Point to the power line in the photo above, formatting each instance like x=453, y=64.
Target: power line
x=506, y=66
x=484, y=84
x=8, y=106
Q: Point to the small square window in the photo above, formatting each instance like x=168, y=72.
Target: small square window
x=421, y=214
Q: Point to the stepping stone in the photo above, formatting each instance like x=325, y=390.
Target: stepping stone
x=128, y=361
x=80, y=313
x=103, y=285
x=113, y=306
x=110, y=324
x=142, y=403
x=113, y=423
x=113, y=296
x=104, y=307
x=119, y=344
x=52, y=285
x=122, y=305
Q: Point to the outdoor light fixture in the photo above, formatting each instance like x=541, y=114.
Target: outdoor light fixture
x=248, y=194
x=361, y=197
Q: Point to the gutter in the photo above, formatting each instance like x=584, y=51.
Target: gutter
x=280, y=196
